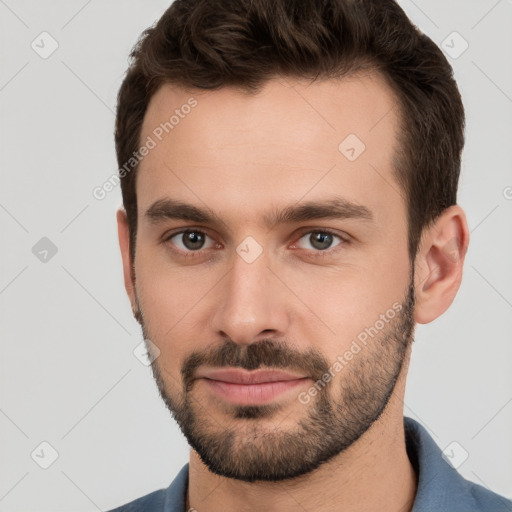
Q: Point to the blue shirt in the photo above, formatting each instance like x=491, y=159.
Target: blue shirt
x=440, y=487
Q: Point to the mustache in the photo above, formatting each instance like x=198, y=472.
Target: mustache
x=266, y=353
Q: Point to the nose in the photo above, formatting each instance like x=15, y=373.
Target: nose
x=250, y=302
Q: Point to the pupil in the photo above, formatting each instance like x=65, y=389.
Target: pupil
x=193, y=240
x=321, y=240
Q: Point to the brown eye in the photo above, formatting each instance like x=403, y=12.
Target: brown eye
x=190, y=240
x=319, y=240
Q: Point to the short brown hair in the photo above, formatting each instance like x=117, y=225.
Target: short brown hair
x=208, y=44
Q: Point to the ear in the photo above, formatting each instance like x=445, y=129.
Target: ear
x=438, y=264
x=128, y=268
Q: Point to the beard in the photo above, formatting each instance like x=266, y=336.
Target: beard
x=335, y=418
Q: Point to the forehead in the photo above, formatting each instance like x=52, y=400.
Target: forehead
x=292, y=140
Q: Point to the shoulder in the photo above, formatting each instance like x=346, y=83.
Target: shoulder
x=440, y=486
x=152, y=501
x=488, y=500
x=171, y=499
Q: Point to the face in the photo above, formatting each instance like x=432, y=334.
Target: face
x=271, y=269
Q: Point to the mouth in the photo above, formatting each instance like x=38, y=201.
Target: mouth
x=255, y=387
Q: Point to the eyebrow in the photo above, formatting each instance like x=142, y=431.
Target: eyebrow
x=332, y=208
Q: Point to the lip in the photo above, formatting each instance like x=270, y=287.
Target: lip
x=250, y=388
x=236, y=376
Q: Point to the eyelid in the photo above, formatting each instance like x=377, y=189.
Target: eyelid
x=179, y=231
x=304, y=231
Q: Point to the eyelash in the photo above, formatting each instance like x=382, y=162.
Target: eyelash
x=316, y=254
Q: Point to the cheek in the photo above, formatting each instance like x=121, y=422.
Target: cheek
x=168, y=292
x=342, y=302
x=177, y=304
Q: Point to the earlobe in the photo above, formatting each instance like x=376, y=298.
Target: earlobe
x=124, y=245
x=439, y=264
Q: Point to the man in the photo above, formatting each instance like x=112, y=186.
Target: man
x=289, y=174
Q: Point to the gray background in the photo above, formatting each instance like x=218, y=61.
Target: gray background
x=68, y=373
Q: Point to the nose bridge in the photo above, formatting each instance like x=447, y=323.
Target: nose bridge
x=250, y=300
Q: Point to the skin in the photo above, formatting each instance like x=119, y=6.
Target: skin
x=243, y=156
